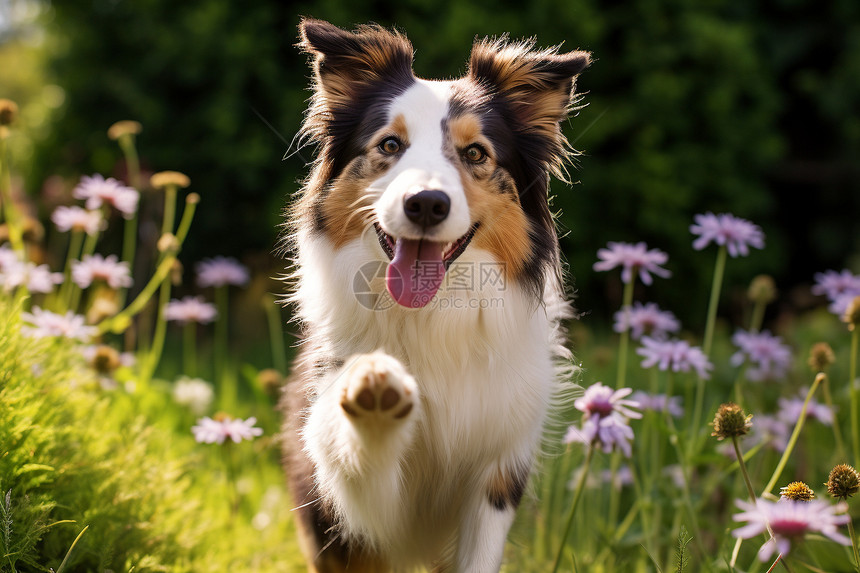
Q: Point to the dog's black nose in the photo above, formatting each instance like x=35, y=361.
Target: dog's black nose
x=427, y=208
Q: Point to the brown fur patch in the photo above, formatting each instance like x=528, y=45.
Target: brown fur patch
x=346, y=206
x=506, y=487
x=504, y=228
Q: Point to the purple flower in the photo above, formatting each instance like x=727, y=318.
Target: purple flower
x=735, y=233
x=605, y=422
x=633, y=258
x=99, y=191
x=646, y=319
x=659, y=403
x=790, y=520
x=77, y=219
x=220, y=271
x=35, y=278
x=98, y=268
x=209, y=431
x=834, y=284
x=771, y=431
x=839, y=305
x=601, y=400
x=769, y=358
x=789, y=411
x=190, y=309
x=676, y=355
x=43, y=323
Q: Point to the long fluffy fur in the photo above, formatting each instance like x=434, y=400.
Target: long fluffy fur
x=434, y=480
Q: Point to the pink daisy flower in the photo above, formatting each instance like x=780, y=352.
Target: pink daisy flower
x=33, y=277
x=768, y=357
x=834, y=284
x=98, y=191
x=77, y=219
x=220, y=271
x=675, y=355
x=190, y=309
x=659, y=403
x=98, y=268
x=737, y=234
x=789, y=521
x=44, y=323
x=646, y=319
x=605, y=422
x=209, y=431
x=633, y=259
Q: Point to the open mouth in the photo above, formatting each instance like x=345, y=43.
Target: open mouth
x=450, y=252
x=418, y=266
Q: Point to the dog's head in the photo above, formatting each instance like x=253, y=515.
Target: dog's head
x=436, y=168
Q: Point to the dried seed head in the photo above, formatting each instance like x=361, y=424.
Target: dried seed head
x=852, y=313
x=844, y=481
x=8, y=111
x=821, y=357
x=105, y=360
x=797, y=491
x=762, y=289
x=105, y=304
x=176, y=271
x=731, y=421
x=164, y=179
x=124, y=127
x=167, y=243
x=270, y=381
x=192, y=198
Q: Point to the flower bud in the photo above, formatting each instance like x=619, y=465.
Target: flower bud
x=164, y=179
x=731, y=421
x=123, y=128
x=762, y=290
x=843, y=482
x=8, y=111
x=852, y=313
x=797, y=491
x=821, y=357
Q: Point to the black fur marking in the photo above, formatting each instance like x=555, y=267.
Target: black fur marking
x=513, y=492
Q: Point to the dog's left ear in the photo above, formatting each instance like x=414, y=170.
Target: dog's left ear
x=537, y=85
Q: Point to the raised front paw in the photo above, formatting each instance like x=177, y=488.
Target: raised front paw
x=377, y=387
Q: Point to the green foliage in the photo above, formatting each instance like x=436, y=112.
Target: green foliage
x=681, y=557
x=124, y=464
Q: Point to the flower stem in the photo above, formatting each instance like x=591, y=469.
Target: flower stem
x=757, y=316
x=854, y=544
x=743, y=468
x=626, y=303
x=169, y=209
x=154, y=356
x=794, y=435
x=10, y=211
x=716, y=286
x=76, y=241
x=119, y=322
x=837, y=431
x=276, y=334
x=852, y=388
x=222, y=303
x=580, y=487
x=129, y=240
x=189, y=348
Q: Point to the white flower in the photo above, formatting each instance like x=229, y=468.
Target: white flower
x=209, y=431
x=194, y=393
x=220, y=271
x=76, y=219
x=36, y=278
x=99, y=191
x=43, y=323
x=96, y=267
x=190, y=309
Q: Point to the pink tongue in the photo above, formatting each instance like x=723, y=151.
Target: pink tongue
x=415, y=273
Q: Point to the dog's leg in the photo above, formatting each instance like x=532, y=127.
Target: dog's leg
x=360, y=425
x=485, y=526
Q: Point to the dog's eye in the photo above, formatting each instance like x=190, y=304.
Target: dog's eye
x=474, y=154
x=390, y=145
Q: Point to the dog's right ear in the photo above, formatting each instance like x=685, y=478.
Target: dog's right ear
x=345, y=62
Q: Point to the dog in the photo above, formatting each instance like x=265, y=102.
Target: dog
x=428, y=290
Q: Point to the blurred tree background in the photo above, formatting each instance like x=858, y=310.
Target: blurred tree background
x=692, y=106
